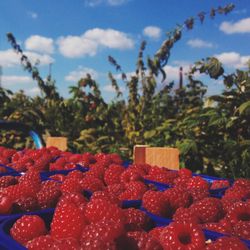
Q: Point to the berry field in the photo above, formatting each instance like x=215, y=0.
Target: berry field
x=51, y=199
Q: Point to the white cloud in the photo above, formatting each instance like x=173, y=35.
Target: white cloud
x=41, y=59
x=233, y=59
x=11, y=80
x=152, y=32
x=109, y=88
x=9, y=58
x=94, y=3
x=92, y=40
x=33, y=14
x=198, y=43
x=241, y=26
x=40, y=44
x=79, y=73
x=33, y=91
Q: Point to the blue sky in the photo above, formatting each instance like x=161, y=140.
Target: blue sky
x=77, y=37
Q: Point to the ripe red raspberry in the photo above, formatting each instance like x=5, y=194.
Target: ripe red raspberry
x=186, y=214
x=87, y=159
x=6, y=181
x=49, y=194
x=112, y=174
x=213, y=226
x=104, y=230
x=184, y=172
x=181, y=182
x=134, y=191
x=198, y=183
x=3, y=161
x=99, y=209
x=91, y=184
x=42, y=163
x=156, y=233
x=98, y=244
x=227, y=203
x=26, y=204
x=242, y=229
x=177, y=197
x=155, y=203
x=208, y=209
x=68, y=221
x=43, y=242
x=27, y=228
x=226, y=242
x=237, y=192
x=106, y=196
x=240, y=211
x=129, y=175
x=116, y=189
x=181, y=235
x=5, y=204
x=58, y=177
x=136, y=220
x=142, y=241
x=242, y=182
x=115, y=158
x=7, y=153
x=143, y=169
x=198, y=194
x=76, y=198
x=71, y=185
x=217, y=184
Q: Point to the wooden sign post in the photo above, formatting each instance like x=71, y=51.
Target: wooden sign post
x=159, y=156
x=59, y=142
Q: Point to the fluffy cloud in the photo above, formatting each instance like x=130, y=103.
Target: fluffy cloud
x=198, y=43
x=109, y=88
x=94, y=3
x=33, y=91
x=13, y=80
x=242, y=26
x=8, y=58
x=233, y=59
x=92, y=40
x=79, y=73
x=33, y=14
x=40, y=44
x=152, y=32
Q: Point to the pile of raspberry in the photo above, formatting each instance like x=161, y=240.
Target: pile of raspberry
x=101, y=224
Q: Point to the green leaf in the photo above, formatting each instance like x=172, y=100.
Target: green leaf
x=244, y=108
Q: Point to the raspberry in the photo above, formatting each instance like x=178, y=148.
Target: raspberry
x=6, y=181
x=143, y=169
x=104, y=230
x=134, y=191
x=237, y=192
x=106, y=196
x=240, y=211
x=242, y=182
x=198, y=183
x=116, y=159
x=141, y=241
x=27, y=228
x=58, y=177
x=136, y=220
x=5, y=204
x=156, y=233
x=43, y=242
x=26, y=204
x=97, y=244
x=67, y=244
x=213, y=226
x=198, y=194
x=87, y=159
x=177, y=198
x=217, y=184
x=116, y=189
x=187, y=215
x=3, y=161
x=42, y=164
x=71, y=185
x=184, y=172
x=75, y=174
x=154, y=202
x=242, y=229
x=49, y=194
x=31, y=178
x=91, y=184
x=129, y=175
x=181, y=182
x=112, y=174
x=76, y=198
x=99, y=209
x=182, y=236
x=226, y=242
x=7, y=153
x=68, y=221
x=208, y=209
x=227, y=203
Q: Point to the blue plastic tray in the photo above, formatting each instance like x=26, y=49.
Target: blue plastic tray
x=8, y=169
x=7, y=242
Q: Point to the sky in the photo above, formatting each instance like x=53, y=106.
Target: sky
x=76, y=37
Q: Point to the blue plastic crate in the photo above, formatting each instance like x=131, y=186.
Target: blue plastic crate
x=7, y=242
x=8, y=169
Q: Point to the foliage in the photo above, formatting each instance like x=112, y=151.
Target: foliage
x=212, y=134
